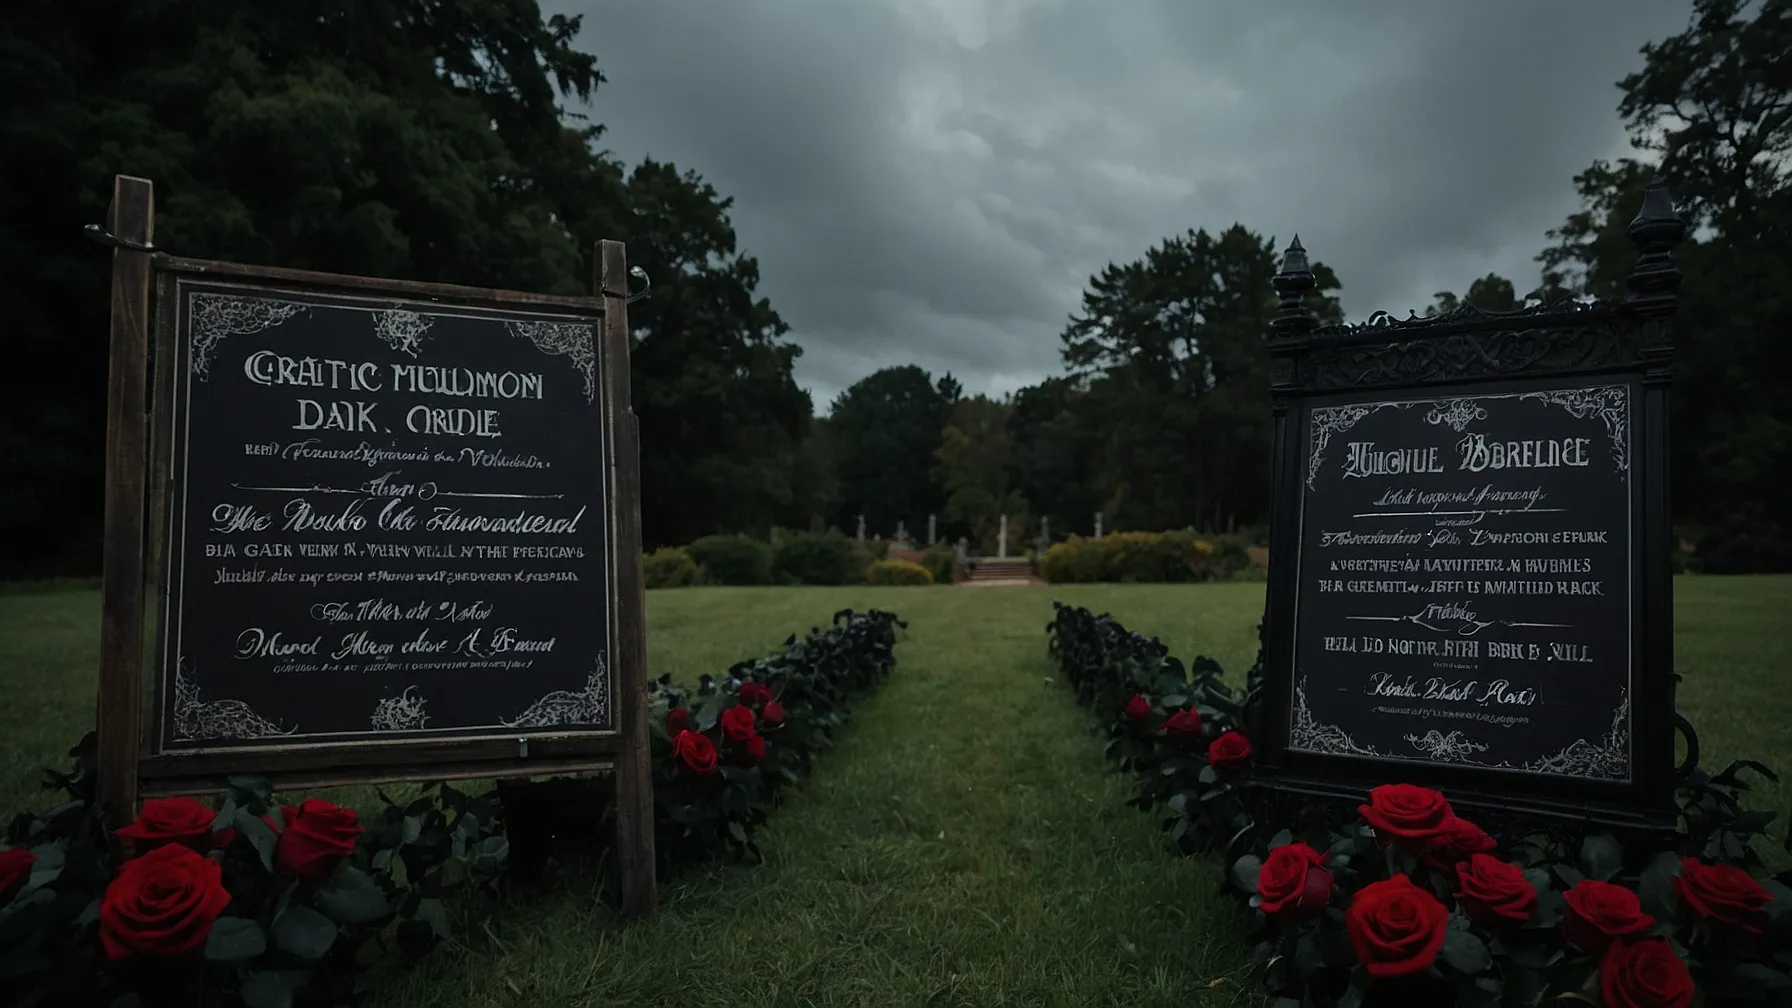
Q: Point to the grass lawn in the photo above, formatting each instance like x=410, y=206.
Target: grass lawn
x=964, y=845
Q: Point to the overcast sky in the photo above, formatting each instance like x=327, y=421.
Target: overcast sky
x=934, y=181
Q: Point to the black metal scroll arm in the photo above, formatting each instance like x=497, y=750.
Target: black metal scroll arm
x=98, y=233
x=1690, y=734
x=646, y=285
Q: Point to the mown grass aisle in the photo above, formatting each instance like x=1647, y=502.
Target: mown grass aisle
x=964, y=845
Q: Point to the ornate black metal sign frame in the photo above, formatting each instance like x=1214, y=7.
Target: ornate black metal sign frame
x=1379, y=664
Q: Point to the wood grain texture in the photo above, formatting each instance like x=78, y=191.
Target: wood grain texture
x=120, y=711
x=634, y=766
x=412, y=290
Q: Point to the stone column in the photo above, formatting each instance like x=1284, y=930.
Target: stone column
x=931, y=538
x=1002, y=540
x=1098, y=524
x=862, y=527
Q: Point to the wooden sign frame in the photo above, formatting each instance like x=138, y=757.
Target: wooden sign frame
x=139, y=526
x=1472, y=353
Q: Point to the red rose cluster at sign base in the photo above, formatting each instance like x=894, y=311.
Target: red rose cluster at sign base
x=1413, y=904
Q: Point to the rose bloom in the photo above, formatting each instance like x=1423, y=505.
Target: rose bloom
x=1644, y=974
x=1182, y=726
x=754, y=694
x=172, y=820
x=1406, y=812
x=1723, y=894
x=677, y=719
x=1230, y=751
x=15, y=871
x=1600, y=912
x=737, y=723
x=317, y=837
x=1494, y=893
x=696, y=752
x=1396, y=928
x=1293, y=882
x=1458, y=839
x=161, y=904
x=773, y=714
x=750, y=752
x=1138, y=708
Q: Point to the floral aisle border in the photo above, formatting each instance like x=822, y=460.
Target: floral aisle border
x=252, y=901
x=1403, y=902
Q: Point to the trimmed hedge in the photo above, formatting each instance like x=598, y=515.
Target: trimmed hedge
x=897, y=572
x=671, y=567
x=817, y=558
x=733, y=559
x=1130, y=556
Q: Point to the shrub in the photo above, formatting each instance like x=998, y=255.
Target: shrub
x=1130, y=556
x=897, y=572
x=941, y=563
x=817, y=558
x=671, y=567
x=733, y=559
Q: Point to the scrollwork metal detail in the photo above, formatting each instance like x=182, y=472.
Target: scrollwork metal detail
x=1468, y=355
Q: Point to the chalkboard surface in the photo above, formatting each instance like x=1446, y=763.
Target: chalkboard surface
x=1465, y=582
x=387, y=520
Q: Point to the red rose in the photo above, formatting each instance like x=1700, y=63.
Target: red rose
x=172, y=820
x=162, y=904
x=677, y=719
x=1722, y=893
x=737, y=723
x=1396, y=928
x=754, y=694
x=1229, y=752
x=1293, y=882
x=1494, y=893
x=15, y=870
x=318, y=835
x=1644, y=974
x=1406, y=812
x=696, y=752
x=1456, y=841
x=1138, y=708
x=773, y=714
x=751, y=751
x=1599, y=912
x=1182, y=726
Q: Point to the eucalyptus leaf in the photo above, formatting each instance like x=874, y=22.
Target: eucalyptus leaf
x=272, y=988
x=260, y=835
x=1281, y=839
x=1601, y=857
x=1245, y=871
x=235, y=939
x=1466, y=953
x=352, y=897
x=304, y=932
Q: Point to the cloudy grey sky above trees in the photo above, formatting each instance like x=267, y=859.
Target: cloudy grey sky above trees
x=934, y=181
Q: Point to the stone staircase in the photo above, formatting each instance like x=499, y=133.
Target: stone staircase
x=1010, y=570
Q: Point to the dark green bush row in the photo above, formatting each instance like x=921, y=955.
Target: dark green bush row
x=251, y=901
x=798, y=558
x=1146, y=557
x=1379, y=905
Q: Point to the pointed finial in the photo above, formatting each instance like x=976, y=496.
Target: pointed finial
x=1292, y=283
x=1295, y=259
x=1655, y=230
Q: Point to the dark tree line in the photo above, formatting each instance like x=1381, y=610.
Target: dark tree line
x=429, y=139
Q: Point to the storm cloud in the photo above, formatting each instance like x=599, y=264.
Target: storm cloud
x=934, y=181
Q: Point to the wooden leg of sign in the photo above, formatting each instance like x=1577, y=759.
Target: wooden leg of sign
x=634, y=766
x=121, y=588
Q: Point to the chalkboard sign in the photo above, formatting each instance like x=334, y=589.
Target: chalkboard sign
x=387, y=519
x=1469, y=583
x=1465, y=586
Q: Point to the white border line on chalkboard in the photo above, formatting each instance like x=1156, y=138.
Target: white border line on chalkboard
x=173, y=621
x=1622, y=435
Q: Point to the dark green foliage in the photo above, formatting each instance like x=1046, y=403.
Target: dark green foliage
x=941, y=562
x=1309, y=959
x=733, y=559
x=817, y=558
x=885, y=430
x=671, y=567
